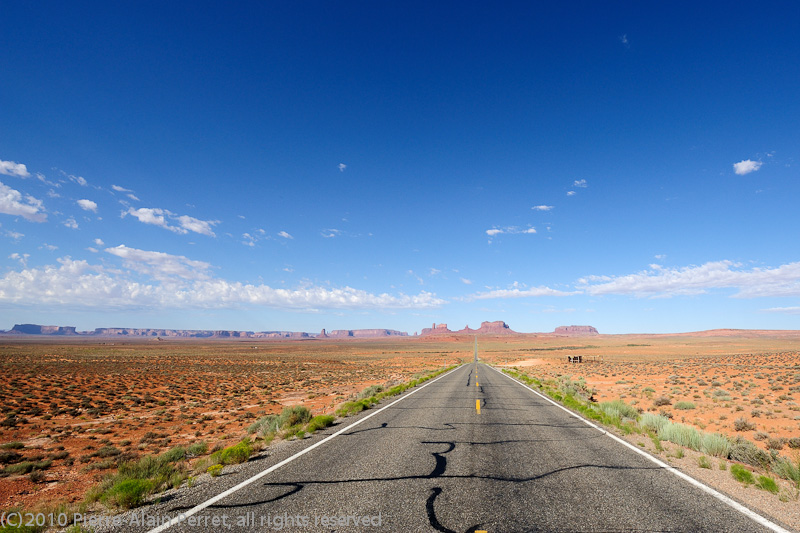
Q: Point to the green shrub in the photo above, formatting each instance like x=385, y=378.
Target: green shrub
x=197, y=448
x=264, y=426
x=768, y=484
x=788, y=469
x=128, y=493
x=239, y=453
x=684, y=405
x=747, y=452
x=14, y=445
x=372, y=390
x=291, y=416
x=742, y=474
x=351, y=408
x=174, y=455
x=653, y=421
x=716, y=445
x=682, y=435
x=741, y=424
x=703, y=462
x=619, y=410
x=320, y=422
x=214, y=470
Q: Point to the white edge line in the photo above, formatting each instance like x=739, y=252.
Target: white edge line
x=196, y=509
x=705, y=488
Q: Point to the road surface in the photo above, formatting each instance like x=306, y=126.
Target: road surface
x=431, y=462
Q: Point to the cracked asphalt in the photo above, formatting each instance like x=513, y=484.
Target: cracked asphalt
x=431, y=463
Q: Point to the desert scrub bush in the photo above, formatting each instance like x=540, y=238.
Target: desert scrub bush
x=14, y=445
x=662, y=401
x=652, y=421
x=214, y=470
x=788, y=469
x=196, y=449
x=351, y=408
x=776, y=443
x=741, y=424
x=747, y=452
x=619, y=410
x=742, y=474
x=715, y=444
x=238, y=453
x=372, y=390
x=319, y=422
x=703, y=462
x=794, y=442
x=682, y=435
x=294, y=415
x=264, y=426
x=684, y=405
x=135, y=480
x=128, y=493
x=768, y=484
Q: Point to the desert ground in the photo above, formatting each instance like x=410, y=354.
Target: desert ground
x=84, y=406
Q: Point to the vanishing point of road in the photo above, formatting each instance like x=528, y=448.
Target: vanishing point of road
x=431, y=461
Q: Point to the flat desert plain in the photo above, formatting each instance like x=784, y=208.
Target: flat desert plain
x=83, y=406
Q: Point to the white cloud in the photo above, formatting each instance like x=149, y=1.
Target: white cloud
x=285, y=235
x=783, y=310
x=331, y=233
x=533, y=292
x=158, y=217
x=746, y=167
x=570, y=193
x=77, y=283
x=79, y=180
x=22, y=258
x=542, y=207
x=161, y=265
x=14, y=234
x=196, y=225
x=466, y=281
x=510, y=230
x=88, y=205
x=580, y=183
x=342, y=166
x=624, y=39
x=10, y=168
x=50, y=247
x=99, y=242
x=133, y=197
x=120, y=189
x=11, y=203
x=71, y=223
x=663, y=282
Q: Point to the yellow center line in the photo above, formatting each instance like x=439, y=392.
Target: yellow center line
x=478, y=406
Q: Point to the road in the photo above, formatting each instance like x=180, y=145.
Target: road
x=431, y=462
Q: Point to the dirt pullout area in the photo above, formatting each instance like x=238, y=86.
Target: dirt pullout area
x=75, y=409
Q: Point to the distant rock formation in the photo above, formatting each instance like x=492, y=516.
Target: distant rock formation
x=35, y=329
x=575, y=331
x=487, y=328
x=365, y=333
x=436, y=329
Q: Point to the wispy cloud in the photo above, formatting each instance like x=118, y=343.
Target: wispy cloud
x=342, y=166
x=71, y=223
x=570, y=193
x=658, y=281
x=160, y=265
x=542, y=207
x=783, y=310
x=580, y=183
x=12, y=203
x=285, y=235
x=10, y=168
x=119, y=188
x=509, y=230
x=746, y=167
x=186, y=284
x=87, y=205
x=331, y=233
x=162, y=218
x=518, y=292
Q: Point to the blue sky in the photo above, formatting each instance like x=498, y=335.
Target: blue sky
x=299, y=166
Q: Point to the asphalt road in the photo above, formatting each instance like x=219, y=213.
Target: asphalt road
x=431, y=462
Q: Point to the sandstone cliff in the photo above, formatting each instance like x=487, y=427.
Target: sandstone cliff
x=576, y=331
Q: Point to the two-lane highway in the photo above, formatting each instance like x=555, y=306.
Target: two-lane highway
x=432, y=462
